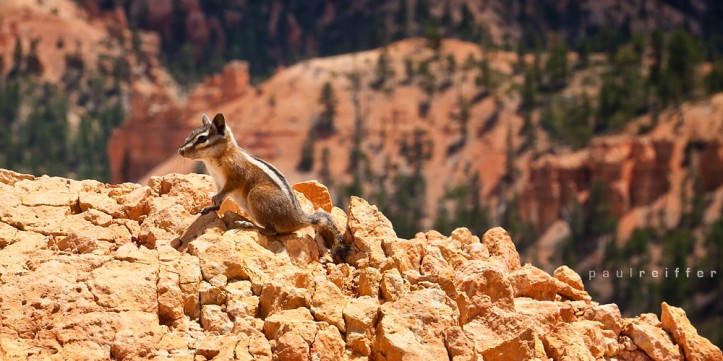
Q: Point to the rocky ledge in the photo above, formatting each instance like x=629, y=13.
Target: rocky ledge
x=90, y=271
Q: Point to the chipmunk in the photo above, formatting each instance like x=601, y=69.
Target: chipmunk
x=255, y=185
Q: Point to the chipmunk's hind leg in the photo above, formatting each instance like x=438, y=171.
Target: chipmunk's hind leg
x=266, y=231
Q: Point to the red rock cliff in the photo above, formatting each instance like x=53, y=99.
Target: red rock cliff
x=159, y=122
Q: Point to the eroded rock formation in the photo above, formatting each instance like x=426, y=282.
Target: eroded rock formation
x=94, y=271
x=159, y=122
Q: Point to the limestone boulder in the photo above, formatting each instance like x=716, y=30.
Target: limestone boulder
x=412, y=327
x=647, y=334
x=695, y=347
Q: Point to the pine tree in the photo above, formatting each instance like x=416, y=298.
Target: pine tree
x=428, y=81
x=511, y=170
x=683, y=55
x=676, y=248
x=383, y=70
x=521, y=64
x=401, y=19
x=715, y=78
x=9, y=108
x=467, y=28
x=408, y=70
x=433, y=35
x=356, y=153
x=324, y=170
x=306, y=162
x=484, y=79
x=583, y=54
x=325, y=124
x=186, y=71
x=537, y=63
x=136, y=41
x=18, y=60
x=45, y=133
x=529, y=92
x=657, y=43
x=421, y=12
x=557, y=68
x=446, y=19
x=463, y=115
x=468, y=210
x=408, y=198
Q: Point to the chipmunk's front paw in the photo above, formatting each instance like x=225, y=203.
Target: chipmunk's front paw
x=205, y=210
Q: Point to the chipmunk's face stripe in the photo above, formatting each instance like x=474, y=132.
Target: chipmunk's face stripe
x=207, y=140
x=199, y=139
x=191, y=139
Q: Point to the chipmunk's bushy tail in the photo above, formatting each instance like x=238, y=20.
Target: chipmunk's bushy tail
x=325, y=226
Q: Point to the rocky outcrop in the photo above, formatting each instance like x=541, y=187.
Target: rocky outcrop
x=95, y=271
x=633, y=173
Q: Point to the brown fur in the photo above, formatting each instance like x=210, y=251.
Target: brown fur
x=243, y=178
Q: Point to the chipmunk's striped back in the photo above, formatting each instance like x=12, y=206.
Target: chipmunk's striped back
x=276, y=176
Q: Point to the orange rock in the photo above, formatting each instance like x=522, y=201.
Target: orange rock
x=530, y=281
x=9, y=177
x=566, y=343
x=500, y=246
x=608, y=315
x=477, y=284
x=240, y=300
x=520, y=347
x=212, y=294
x=317, y=193
x=369, y=228
x=543, y=316
x=646, y=332
x=170, y=300
x=292, y=346
x=360, y=315
x=393, y=286
x=459, y=346
x=569, y=277
x=369, y=282
x=252, y=345
x=629, y=351
x=328, y=303
x=275, y=297
x=99, y=276
x=214, y=320
x=502, y=334
x=216, y=346
x=695, y=347
x=285, y=320
x=328, y=345
x=399, y=335
x=405, y=254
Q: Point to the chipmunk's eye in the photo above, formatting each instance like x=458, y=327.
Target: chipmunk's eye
x=201, y=139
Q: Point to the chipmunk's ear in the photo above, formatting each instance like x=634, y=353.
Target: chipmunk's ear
x=204, y=119
x=219, y=122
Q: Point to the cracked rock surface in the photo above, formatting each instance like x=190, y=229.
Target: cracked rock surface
x=90, y=271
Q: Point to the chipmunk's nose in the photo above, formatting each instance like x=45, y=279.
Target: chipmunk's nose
x=181, y=151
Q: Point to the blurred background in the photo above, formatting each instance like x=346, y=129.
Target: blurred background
x=591, y=130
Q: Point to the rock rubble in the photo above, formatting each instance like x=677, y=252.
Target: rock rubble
x=90, y=271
